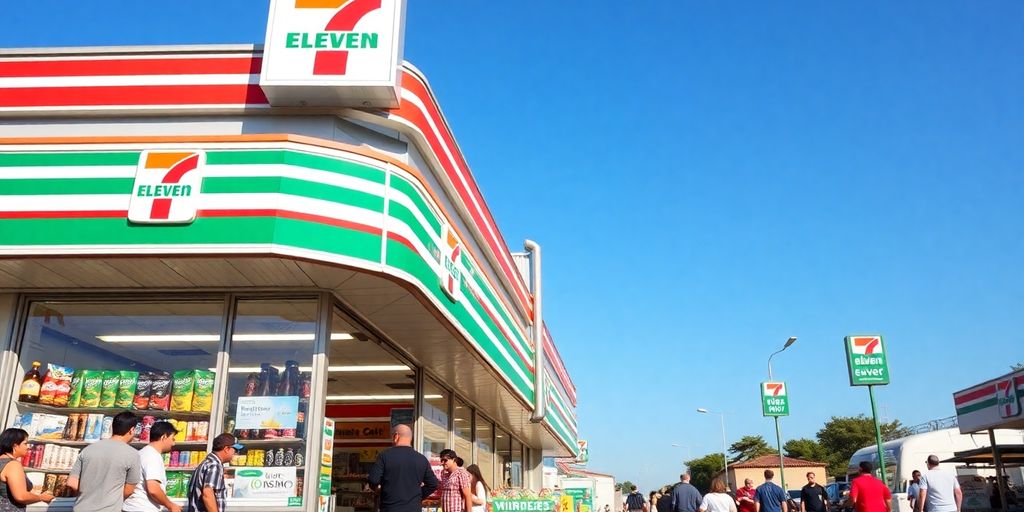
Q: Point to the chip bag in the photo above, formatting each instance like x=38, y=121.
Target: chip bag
x=92, y=388
x=183, y=390
x=160, y=391
x=77, y=384
x=55, y=375
x=202, y=398
x=126, y=384
x=111, y=380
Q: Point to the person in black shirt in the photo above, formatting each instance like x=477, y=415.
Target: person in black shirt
x=813, y=497
x=402, y=475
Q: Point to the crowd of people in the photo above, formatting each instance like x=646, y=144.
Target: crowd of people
x=935, y=490
x=111, y=476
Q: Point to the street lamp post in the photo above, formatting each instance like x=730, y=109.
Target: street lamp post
x=725, y=457
x=778, y=433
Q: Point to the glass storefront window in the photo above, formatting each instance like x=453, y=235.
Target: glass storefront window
x=485, y=450
x=96, y=359
x=269, y=388
x=516, y=464
x=369, y=392
x=462, y=428
x=503, y=450
x=435, y=421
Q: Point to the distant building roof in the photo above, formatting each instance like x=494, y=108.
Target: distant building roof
x=772, y=461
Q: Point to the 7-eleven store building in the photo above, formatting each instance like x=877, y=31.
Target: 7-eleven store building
x=159, y=214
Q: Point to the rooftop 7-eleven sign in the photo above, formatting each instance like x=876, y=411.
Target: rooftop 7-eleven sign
x=774, y=399
x=866, y=359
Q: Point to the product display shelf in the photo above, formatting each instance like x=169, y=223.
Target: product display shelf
x=109, y=411
x=136, y=444
x=277, y=441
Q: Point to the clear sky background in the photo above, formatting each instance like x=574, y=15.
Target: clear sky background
x=709, y=178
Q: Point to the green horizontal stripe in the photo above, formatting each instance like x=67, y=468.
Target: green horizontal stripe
x=400, y=256
x=296, y=158
x=295, y=187
x=65, y=186
x=977, y=406
x=68, y=159
x=402, y=214
x=402, y=185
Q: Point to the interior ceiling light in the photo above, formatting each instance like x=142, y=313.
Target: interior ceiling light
x=351, y=398
x=330, y=369
x=194, y=338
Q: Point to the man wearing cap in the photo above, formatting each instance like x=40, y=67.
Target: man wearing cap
x=206, y=490
x=940, y=490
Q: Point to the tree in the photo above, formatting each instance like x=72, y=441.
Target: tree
x=627, y=487
x=1018, y=366
x=806, y=449
x=750, y=447
x=843, y=435
x=704, y=469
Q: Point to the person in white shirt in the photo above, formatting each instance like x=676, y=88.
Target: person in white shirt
x=151, y=492
x=479, y=487
x=940, y=490
x=718, y=500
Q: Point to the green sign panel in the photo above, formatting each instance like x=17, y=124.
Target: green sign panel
x=522, y=505
x=866, y=360
x=774, y=400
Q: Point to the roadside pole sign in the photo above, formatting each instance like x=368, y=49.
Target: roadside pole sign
x=774, y=399
x=866, y=360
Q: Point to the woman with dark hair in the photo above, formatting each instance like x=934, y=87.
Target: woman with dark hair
x=480, y=488
x=15, y=488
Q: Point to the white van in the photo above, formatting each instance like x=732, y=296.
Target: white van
x=904, y=455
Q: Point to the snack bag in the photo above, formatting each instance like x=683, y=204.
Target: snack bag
x=126, y=385
x=77, y=383
x=108, y=395
x=160, y=392
x=54, y=376
x=142, y=390
x=174, y=484
x=92, y=388
x=202, y=398
x=63, y=393
x=184, y=387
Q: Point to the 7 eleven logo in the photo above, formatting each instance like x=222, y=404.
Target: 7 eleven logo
x=866, y=345
x=448, y=267
x=1006, y=398
x=166, y=187
x=774, y=389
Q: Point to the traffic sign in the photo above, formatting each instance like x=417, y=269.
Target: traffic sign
x=774, y=399
x=866, y=360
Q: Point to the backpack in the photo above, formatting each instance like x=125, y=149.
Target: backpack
x=635, y=501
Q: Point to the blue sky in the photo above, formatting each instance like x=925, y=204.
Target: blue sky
x=709, y=178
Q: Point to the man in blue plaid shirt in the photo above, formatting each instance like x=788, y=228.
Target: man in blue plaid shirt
x=206, y=491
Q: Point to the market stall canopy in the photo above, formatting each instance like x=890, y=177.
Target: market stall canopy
x=1012, y=455
x=992, y=404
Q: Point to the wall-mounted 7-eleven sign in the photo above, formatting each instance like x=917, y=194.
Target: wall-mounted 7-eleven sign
x=774, y=399
x=866, y=360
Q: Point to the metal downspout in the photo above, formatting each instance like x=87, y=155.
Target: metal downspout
x=540, y=404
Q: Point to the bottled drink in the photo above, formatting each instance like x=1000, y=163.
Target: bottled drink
x=251, y=384
x=289, y=385
x=265, y=383
x=31, y=384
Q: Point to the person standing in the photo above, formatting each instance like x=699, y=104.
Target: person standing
x=15, y=487
x=745, y=496
x=813, y=497
x=635, y=501
x=770, y=497
x=685, y=497
x=940, y=490
x=868, y=493
x=914, y=489
x=402, y=474
x=664, y=503
x=151, y=491
x=206, y=490
x=718, y=500
x=456, y=485
x=480, y=488
x=107, y=471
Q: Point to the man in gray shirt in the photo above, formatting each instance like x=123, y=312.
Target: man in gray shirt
x=106, y=471
x=685, y=497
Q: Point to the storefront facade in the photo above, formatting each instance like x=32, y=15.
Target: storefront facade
x=168, y=234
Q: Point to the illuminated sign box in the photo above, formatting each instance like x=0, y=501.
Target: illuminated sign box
x=333, y=53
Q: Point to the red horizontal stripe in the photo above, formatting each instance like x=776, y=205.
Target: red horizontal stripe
x=497, y=242
x=93, y=214
x=288, y=214
x=231, y=94
x=402, y=240
x=973, y=395
x=129, y=67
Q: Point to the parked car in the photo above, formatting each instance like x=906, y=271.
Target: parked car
x=839, y=497
x=794, y=500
